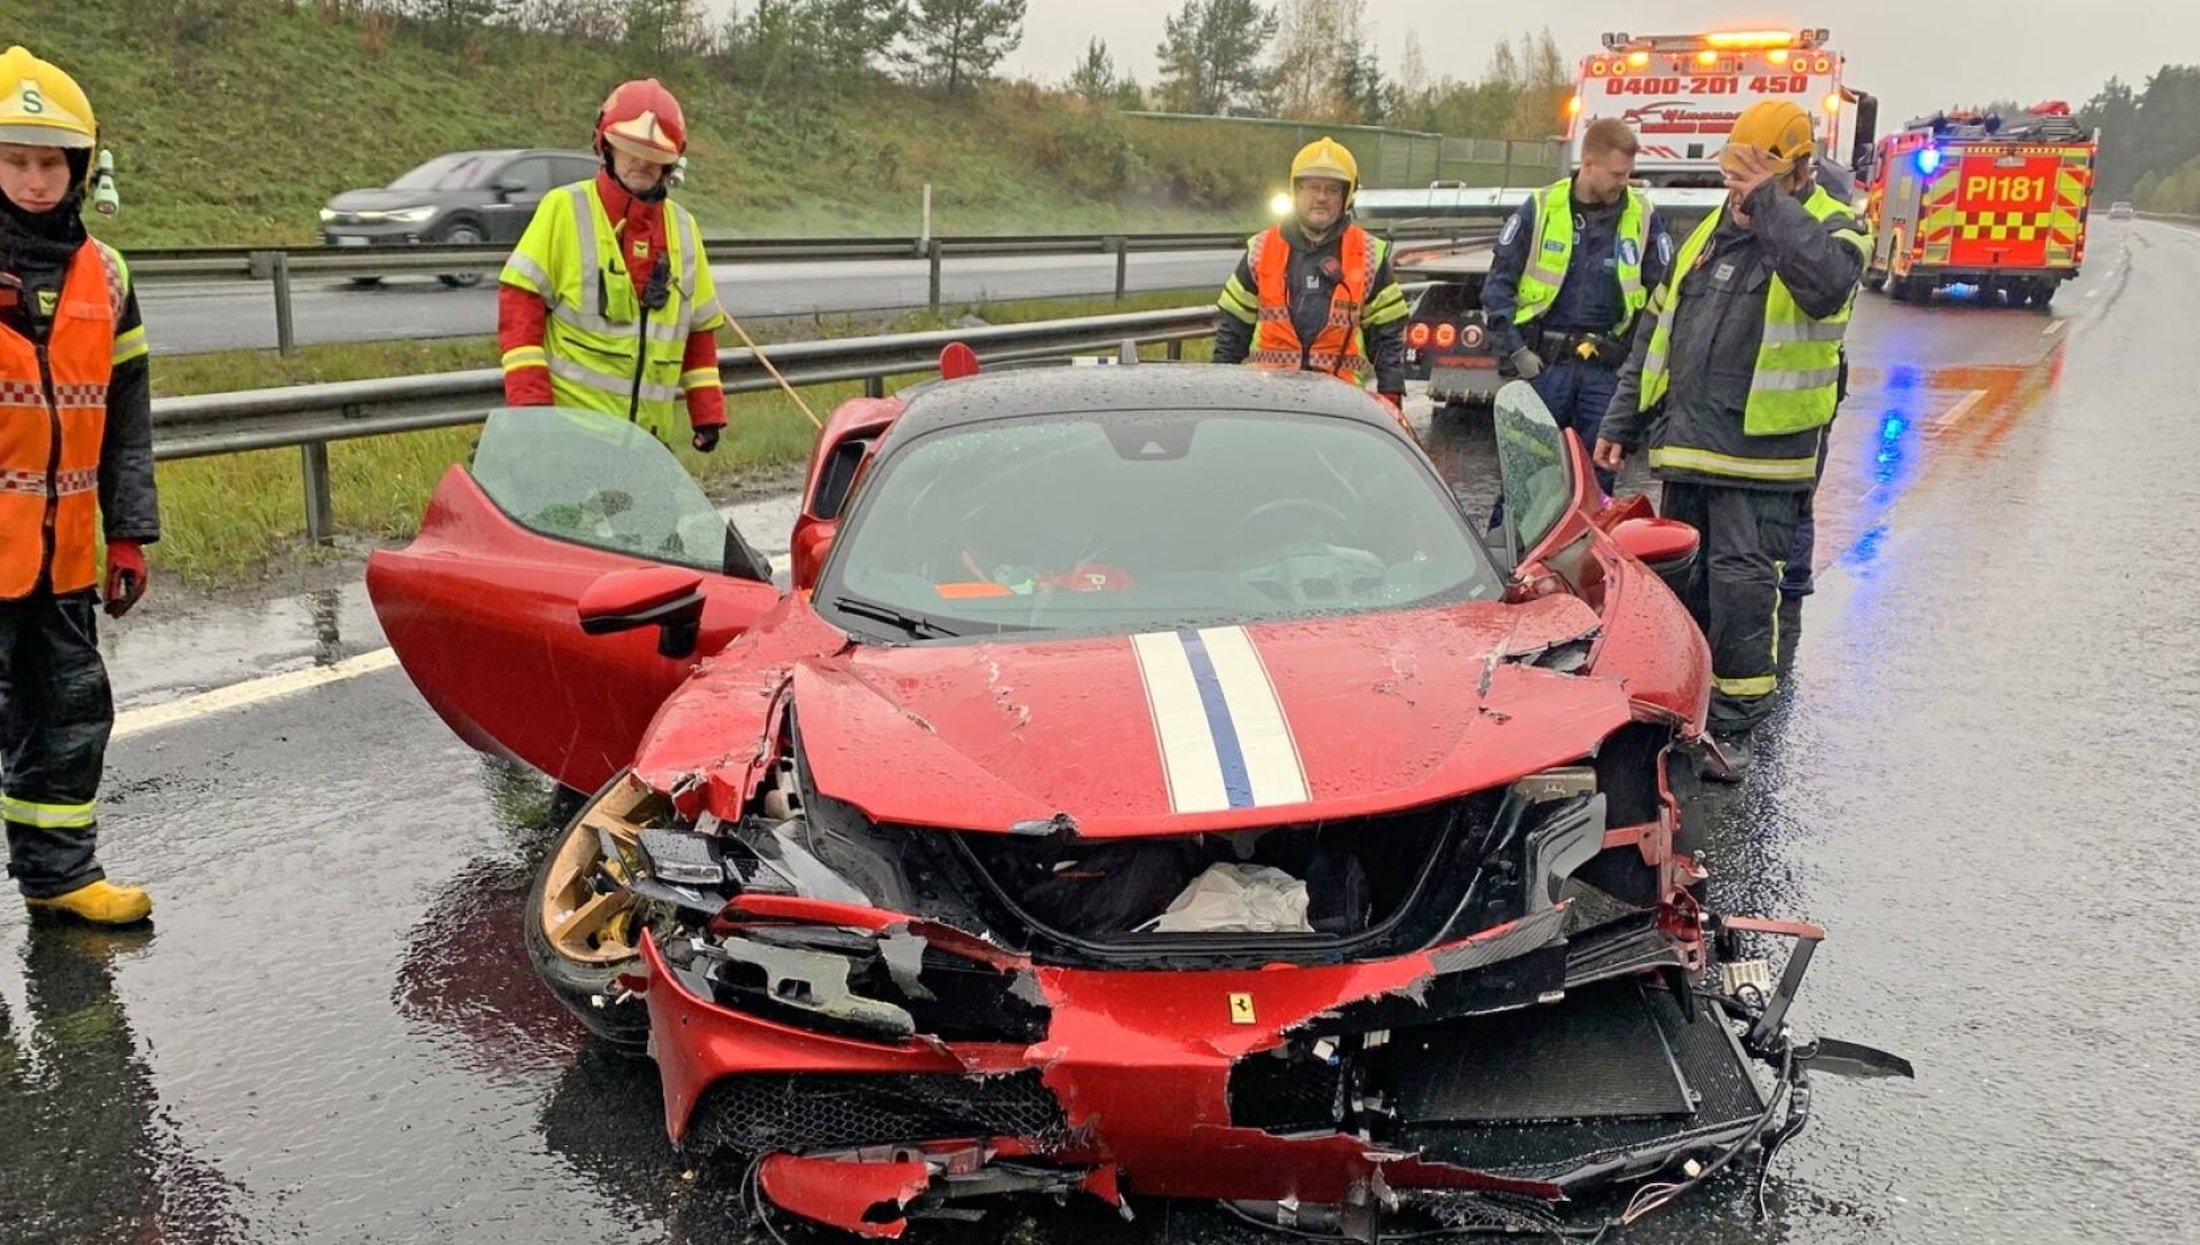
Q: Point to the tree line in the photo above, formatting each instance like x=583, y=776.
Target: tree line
x=2150, y=141
x=947, y=44
x=1316, y=60
x=1307, y=60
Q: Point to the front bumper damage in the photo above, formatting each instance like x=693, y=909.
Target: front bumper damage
x=1473, y=1083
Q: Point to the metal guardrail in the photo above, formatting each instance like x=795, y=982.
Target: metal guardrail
x=278, y=266
x=311, y=416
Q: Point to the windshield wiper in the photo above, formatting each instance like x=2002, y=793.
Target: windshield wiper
x=922, y=626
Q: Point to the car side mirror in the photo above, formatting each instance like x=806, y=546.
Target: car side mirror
x=665, y=597
x=1667, y=546
x=507, y=187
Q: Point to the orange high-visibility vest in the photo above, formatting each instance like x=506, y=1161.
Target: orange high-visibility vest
x=1338, y=348
x=53, y=415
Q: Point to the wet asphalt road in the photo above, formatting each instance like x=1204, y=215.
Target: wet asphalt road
x=190, y=318
x=332, y=1035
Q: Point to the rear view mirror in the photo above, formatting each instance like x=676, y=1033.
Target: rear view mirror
x=664, y=597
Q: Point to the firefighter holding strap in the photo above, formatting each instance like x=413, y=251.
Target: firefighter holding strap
x=607, y=304
x=1733, y=378
x=1573, y=269
x=76, y=454
x=1316, y=294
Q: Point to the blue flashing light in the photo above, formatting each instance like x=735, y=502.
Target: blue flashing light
x=1928, y=160
x=1892, y=427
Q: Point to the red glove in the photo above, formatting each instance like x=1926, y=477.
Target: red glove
x=126, y=576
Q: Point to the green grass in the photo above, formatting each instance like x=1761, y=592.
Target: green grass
x=232, y=121
x=228, y=519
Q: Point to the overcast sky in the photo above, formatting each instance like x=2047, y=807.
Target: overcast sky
x=1916, y=55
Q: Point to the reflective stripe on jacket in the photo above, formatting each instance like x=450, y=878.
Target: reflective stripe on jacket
x=602, y=352
x=1798, y=367
x=1553, y=253
x=53, y=423
x=1339, y=348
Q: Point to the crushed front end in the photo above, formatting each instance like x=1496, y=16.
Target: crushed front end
x=1491, y=1008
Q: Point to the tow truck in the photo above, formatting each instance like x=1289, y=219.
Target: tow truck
x=1983, y=201
x=1681, y=95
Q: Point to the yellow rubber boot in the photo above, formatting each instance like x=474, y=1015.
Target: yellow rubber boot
x=101, y=903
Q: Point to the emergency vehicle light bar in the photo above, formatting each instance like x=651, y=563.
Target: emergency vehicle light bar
x=1721, y=40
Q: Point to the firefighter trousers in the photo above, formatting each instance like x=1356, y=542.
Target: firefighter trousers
x=55, y=714
x=1734, y=590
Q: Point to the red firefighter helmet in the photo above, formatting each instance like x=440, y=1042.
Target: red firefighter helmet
x=642, y=119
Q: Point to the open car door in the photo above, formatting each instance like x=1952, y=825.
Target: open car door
x=483, y=607
x=1551, y=497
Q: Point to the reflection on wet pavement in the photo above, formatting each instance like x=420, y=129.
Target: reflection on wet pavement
x=1975, y=784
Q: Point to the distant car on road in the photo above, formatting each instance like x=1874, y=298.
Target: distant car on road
x=2119, y=210
x=464, y=197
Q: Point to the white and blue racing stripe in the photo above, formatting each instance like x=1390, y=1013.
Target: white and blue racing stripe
x=1224, y=740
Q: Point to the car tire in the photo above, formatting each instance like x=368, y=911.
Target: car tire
x=464, y=233
x=366, y=283
x=1875, y=279
x=575, y=984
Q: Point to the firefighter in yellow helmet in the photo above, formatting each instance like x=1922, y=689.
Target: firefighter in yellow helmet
x=1733, y=377
x=76, y=457
x=1315, y=293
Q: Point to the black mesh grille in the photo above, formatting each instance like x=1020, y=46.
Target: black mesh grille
x=1284, y=1094
x=759, y=1113
x=1728, y=1100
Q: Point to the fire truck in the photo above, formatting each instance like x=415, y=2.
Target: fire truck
x=1997, y=204
x=1681, y=94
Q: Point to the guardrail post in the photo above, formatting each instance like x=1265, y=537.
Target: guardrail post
x=932, y=258
x=1176, y=349
x=320, y=504
x=286, y=329
x=1122, y=249
x=874, y=386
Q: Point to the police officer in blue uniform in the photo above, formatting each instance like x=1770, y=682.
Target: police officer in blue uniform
x=1573, y=269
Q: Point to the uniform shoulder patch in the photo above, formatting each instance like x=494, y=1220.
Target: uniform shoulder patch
x=1629, y=253
x=1511, y=231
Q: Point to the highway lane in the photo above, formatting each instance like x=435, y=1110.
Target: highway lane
x=197, y=317
x=1976, y=784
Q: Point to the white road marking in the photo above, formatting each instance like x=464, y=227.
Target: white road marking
x=2052, y=329
x=1962, y=409
x=252, y=692
x=272, y=687
x=2092, y=293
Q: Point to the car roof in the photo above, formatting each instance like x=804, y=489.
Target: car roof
x=1018, y=393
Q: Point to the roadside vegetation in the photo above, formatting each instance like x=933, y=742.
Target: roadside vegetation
x=227, y=520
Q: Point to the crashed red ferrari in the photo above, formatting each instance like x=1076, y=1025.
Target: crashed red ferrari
x=1152, y=785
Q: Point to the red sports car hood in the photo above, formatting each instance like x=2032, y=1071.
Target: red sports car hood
x=1207, y=728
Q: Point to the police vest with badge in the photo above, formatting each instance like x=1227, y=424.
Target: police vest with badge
x=1558, y=237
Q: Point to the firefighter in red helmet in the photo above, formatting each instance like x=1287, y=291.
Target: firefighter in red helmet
x=607, y=304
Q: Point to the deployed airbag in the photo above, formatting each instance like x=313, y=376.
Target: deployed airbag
x=1238, y=899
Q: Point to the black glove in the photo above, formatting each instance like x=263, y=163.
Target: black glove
x=706, y=439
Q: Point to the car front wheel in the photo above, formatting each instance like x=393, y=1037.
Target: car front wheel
x=462, y=235
x=582, y=927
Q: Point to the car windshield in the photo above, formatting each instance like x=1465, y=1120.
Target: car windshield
x=588, y=479
x=1143, y=521
x=456, y=171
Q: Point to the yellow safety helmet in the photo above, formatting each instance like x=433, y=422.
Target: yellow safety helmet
x=1779, y=128
x=40, y=106
x=1326, y=157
